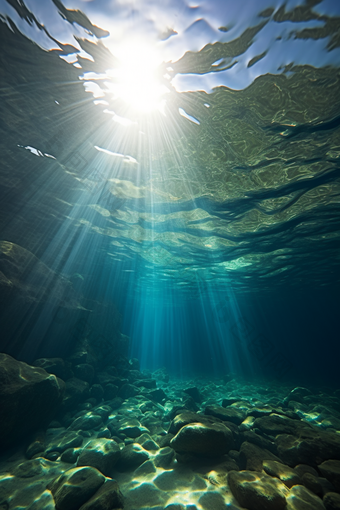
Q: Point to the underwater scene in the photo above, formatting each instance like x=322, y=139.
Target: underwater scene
x=170, y=255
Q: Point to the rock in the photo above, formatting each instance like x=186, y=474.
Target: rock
x=312, y=483
x=300, y=498
x=29, y=469
x=104, y=433
x=331, y=470
x=87, y=422
x=70, y=455
x=194, y=394
x=257, y=491
x=147, y=442
x=146, y=468
x=84, y=371
x=209, y=440
x=332, y=501
x=102, y=454
x=149, y=384
x=157, y=395
x=76, y=486
x=146, y=495
x=301, y=469
x=275, y=424
x=226, y=414
x=107, y=497
x=164, y=457
x=161, y=375
x=127, y=391
x=187, y=417
x=132, y=428
x=76, y=391
x=132, y=456
x=252, y=437
x=252, y=456
x=29, y=398
x=298, y=394
x=286, y=474
x=63, y=441
x=56, y=366
x=312, y=446
x=37, y=445
x=110, y=391
x=164, y=441
x=134, y=364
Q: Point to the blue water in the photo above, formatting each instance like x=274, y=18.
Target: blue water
x=171, y=173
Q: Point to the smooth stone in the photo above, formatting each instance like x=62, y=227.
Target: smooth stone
x=76, y=486
x=226, y=414
x=132, y=428
x=312, y=446
x=312, y=483
x=186, y=417
x=63, y=441
x=251, y=437
x=87, y=422
x=29, y=469
x=164, y=457
x=96, y=391
x=132, y=456
x=209, y=440
x=286, y=474
x=102, y=454
x=330, y=469
x=107, y=497
x=275, y=424
x=145, y=496
x=146, y=468
x=300, y=498
x=251, y=456
x=332, y=501
x=212, y=500
x=70, y=455
x=257, y=491
x=110, y=391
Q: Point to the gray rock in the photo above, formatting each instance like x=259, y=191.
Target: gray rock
x=76, y=391
x=209, y=440
x=257, y=491
x=311, y=447
x=194, y=393
x=29, y=469
x=102, y=454
x=70, y=455
x=97, y=392
x=76, y=486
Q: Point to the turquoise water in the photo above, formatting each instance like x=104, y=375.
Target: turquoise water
x=171, y=173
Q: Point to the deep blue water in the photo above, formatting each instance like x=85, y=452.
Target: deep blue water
x=203, y=223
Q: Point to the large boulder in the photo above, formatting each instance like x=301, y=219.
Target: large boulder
x=257, y=491
x=201, y=439
x=29, y=397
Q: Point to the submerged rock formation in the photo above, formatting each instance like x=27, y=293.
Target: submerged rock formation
x=29, y=397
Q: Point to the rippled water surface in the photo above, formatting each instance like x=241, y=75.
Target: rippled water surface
x=175, y=147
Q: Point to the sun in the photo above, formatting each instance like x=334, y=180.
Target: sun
x=137, y=80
